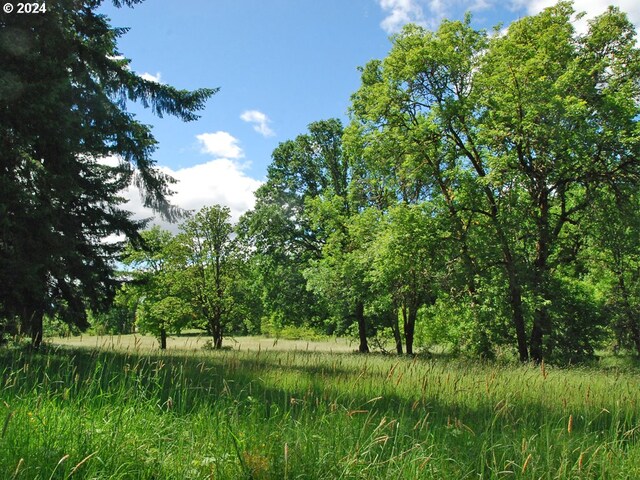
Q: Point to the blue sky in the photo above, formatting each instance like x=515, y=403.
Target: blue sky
x=280, y=65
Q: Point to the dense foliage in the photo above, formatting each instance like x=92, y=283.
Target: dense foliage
x=482, y=197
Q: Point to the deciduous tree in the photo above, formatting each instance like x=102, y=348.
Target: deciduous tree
x=513, y=134
x=207, y=256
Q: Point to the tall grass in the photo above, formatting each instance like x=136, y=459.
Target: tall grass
x=257, y=415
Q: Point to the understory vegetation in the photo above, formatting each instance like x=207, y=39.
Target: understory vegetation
x=80, y=413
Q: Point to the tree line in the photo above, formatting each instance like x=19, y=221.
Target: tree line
x=483, y=196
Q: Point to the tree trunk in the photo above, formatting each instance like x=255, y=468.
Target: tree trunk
x=517, y=313
x=537, y=336
x=515, y=288
x=540, y=319
x=362, y=328
x=163, y=338
x=393, y=320
x=35, y=327
x=410, y=327
x=216, y=329
x=541, y=313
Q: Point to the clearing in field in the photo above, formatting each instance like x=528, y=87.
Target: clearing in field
x=195, y=342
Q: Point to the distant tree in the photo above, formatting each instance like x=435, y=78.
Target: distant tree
x=280, y=229
x=118, y=319
x=64, y=88
x=340, y=274
x=208, y=256
x=169, y=314
x=153, y=289
x=408, y=262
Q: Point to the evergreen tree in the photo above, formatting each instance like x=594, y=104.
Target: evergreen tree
x=64, y=89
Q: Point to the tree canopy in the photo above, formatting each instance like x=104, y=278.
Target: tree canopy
x=515, y=136
x=482, y=196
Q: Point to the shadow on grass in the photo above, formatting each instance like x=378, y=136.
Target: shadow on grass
x=193, y=379
x=366, y=398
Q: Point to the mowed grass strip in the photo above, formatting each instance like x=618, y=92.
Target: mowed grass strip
x=91, y=413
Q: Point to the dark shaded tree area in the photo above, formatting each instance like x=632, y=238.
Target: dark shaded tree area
x=63, y=94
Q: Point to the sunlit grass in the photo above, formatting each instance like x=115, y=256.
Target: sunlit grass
x=302, y=414
x=198, y=341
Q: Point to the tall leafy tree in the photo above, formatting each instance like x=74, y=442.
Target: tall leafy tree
x=513, y=133
x=280, y=228
x=208, y=256
x=401, y=132
x=64, y=89
x=563, y=124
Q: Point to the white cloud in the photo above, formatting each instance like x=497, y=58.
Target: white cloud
x=260, y=122
x=592, y=8
x=219, y=181
x=425, y=12
x=401, y=12
x=431, y=12
x=479, y=5
x=220, y=144
x=152, y=78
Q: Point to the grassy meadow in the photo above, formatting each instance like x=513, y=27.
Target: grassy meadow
x=120, y=410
